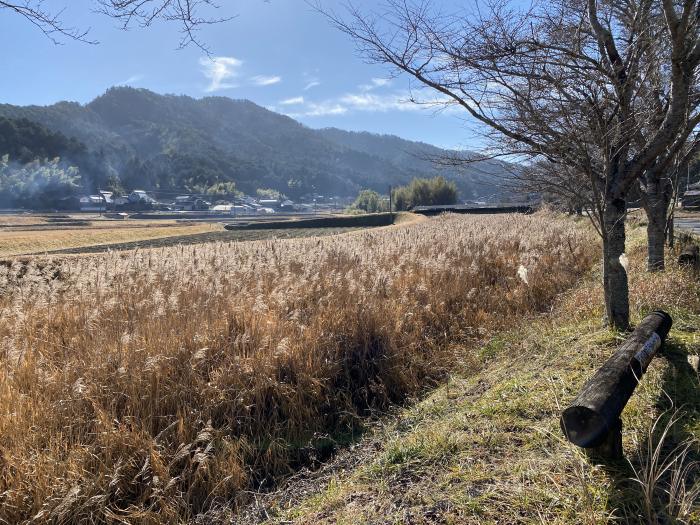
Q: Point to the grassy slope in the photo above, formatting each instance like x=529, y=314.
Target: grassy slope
x=486, y=447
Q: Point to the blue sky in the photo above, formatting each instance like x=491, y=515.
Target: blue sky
x=277, y=53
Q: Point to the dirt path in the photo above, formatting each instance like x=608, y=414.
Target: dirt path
x=689, y=224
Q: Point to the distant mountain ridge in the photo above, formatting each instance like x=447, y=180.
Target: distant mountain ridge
x=137, y=138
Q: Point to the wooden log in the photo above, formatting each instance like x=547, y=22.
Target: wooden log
x=690, y=256
x=611, y=447
x=596, y=410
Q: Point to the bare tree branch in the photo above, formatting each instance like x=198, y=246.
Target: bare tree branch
x=50, y=24
x=185, y=13
x=190, y=15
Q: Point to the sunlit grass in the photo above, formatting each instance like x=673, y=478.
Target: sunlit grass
x=155, y=385
x=486, y=448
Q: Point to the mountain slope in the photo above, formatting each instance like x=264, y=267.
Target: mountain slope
x=25, y=141
x=177, y=143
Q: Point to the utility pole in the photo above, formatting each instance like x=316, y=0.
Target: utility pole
x=391, y=211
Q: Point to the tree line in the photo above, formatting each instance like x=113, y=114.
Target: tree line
x=37, y=184
x=419, y=192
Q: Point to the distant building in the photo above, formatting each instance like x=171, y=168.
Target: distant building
x=92, y=203
x=247, y=199
x=140, y=196
x=269, y=203
x=191, y=203
x=183, y=201
x=233, y=209
x=107, y=196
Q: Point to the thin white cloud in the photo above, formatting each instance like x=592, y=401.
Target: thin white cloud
x=367, y=102
x=294, y=101
x=131, y=80
x=262, y=80
x=375, y=83
x=312, y=84
x=319, y=109
x=218, y=70
x=379, y=103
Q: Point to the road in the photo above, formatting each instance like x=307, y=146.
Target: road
x=689, y=224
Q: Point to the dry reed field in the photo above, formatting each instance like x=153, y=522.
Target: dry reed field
x=162, y=386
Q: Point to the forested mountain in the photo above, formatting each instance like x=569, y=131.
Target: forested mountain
x=25, y=141
x=132, y=138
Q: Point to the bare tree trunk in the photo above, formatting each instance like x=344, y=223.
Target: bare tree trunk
x=657, y=216
x=670, y=231
x=614, y=274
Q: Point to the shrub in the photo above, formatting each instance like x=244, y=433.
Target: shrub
x=371, y=202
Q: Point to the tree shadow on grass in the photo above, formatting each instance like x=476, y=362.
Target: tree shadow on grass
x=633, y=498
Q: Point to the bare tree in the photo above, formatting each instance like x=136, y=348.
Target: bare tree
x=659, y=65
x=659, y=192
x=564, y=81
x=190, y=15
x=559, y=185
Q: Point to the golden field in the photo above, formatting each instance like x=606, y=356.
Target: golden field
x=160, y=385
x=21, y=235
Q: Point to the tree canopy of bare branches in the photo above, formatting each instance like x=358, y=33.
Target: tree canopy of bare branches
x=601, y=89
x=190, y=15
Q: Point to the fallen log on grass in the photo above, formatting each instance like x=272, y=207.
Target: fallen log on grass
x=593, y=419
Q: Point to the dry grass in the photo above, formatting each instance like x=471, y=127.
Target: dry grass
x=154, y=386
x=16, y=241
x=486, y=448
x=24, y=219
